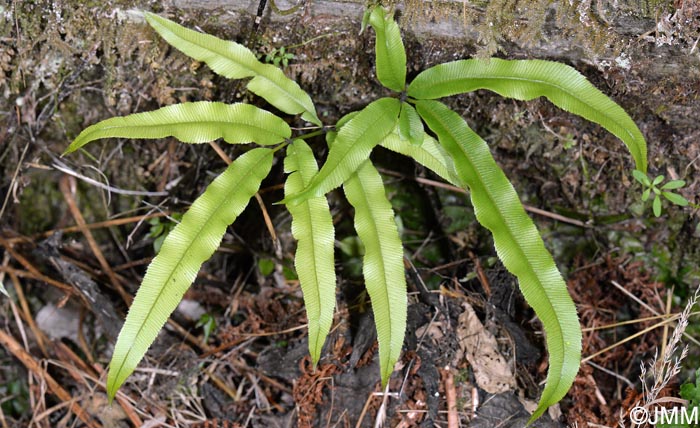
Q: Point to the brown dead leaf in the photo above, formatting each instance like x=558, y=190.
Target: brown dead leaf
x=110, y=416
x=491, y=371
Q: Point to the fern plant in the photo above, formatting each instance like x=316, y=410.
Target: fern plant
x=448, y=147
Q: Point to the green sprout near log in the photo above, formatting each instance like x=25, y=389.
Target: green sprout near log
x=653, y=187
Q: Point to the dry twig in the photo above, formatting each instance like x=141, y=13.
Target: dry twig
x=32, y=365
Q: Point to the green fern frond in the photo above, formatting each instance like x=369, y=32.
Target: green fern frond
x=383, y=270
x=528, y=79
x=234, y=61
x=173, y=270
x=459, y=156
x=312, y=227
x=390, y=53
x=197, y=122
x=518, y=245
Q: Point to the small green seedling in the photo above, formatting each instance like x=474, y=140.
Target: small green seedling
x=160, y=228
x=651, y=187
x=208, y=325
x=279, y=56
x=15, y=398
x=266, y=266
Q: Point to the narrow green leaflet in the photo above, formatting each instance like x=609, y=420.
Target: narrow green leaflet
x=352, y=146
x=676, y=199
x=529, y=79
x=390, y=53
x=383, y=262
x=196, y=122
x=234, y=61
x=673, y=184
x=429, y=153
x=656, y=206
x=226, y=58
x=641, y=177
x=518, y=244
x=312, y=227
x=173, y=270
x=365, y=20
x=410, y=125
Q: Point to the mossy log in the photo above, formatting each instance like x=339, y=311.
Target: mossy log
x=67, y=64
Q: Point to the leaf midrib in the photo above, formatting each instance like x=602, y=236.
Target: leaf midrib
x=285, y=93
x=448, y=174
x=187, y=123
x=387, y=48
x=375, y=235
x=364, y=132
x=307, y=205
x=315, y=270
x=250, y=172
x=166, y=28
